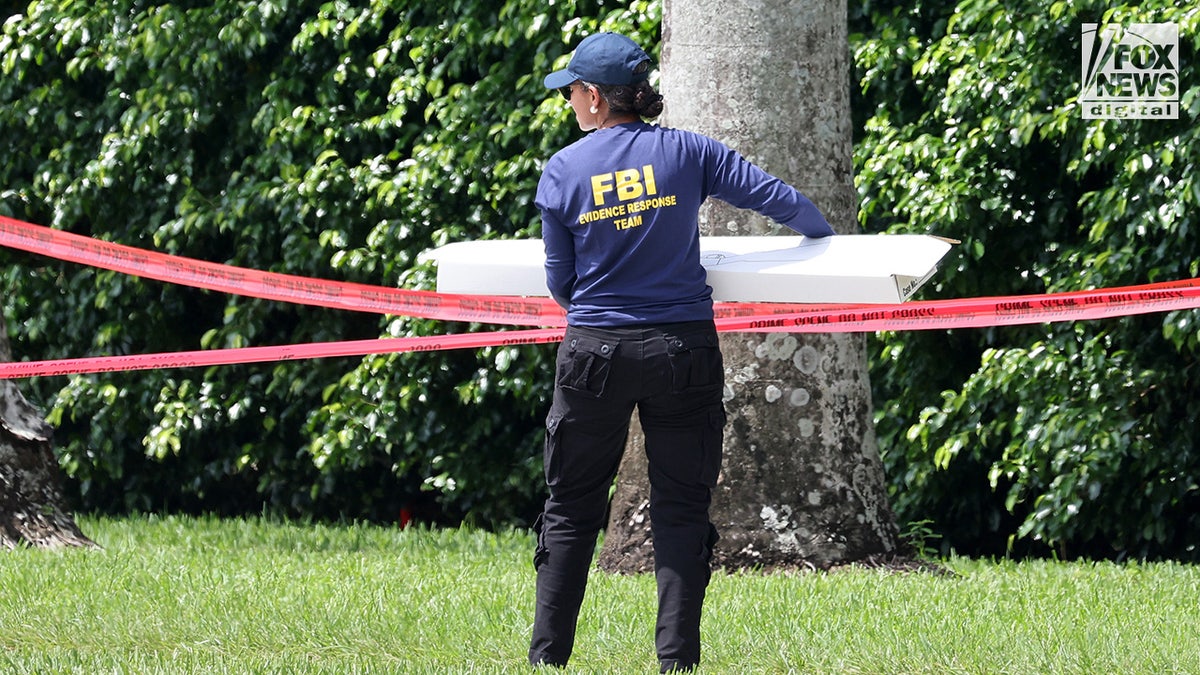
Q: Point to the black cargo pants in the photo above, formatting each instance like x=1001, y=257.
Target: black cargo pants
x=674, y=375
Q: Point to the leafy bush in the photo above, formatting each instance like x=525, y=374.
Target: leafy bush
x=319, y=139
x=1072, y=437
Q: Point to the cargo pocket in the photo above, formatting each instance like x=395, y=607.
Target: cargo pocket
x=706, y=551
x=712, y=445
x=540, y=552
x=695, y=362
x=551, y=456
x=584, y=364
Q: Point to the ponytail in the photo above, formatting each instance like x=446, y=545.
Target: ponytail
x=639, y=98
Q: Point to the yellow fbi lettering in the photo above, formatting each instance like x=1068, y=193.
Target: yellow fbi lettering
x=627, y=184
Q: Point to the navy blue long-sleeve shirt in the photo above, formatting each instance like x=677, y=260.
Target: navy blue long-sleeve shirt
x=620, y=211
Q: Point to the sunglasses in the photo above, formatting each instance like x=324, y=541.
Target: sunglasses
x=566, y=91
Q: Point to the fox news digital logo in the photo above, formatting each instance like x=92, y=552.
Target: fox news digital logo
x=1130, y=72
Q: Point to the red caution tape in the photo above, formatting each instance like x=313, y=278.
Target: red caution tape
x=505, y=310
x=220, y=357
x=981, y=312
x=272, y=286
x=745, y=317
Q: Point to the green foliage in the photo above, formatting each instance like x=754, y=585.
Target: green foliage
x=321, y=139
x=1076, y=438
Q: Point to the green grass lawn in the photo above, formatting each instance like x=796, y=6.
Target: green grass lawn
x=179, y=595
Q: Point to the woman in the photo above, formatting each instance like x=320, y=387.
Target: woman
x=620, y=225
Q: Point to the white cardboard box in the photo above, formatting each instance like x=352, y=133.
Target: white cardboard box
x=854, y=268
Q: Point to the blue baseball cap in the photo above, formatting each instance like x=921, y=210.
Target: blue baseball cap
x=603, y=58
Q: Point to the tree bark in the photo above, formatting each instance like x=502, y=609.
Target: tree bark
x=802, y=483
x=32, y=507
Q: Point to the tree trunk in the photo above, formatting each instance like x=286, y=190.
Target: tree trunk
x=32, y=511
x=802, y=483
